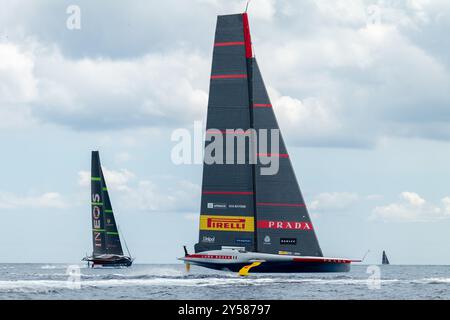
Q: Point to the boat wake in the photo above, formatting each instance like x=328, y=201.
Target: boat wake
x=173, y=282
x=148, y=286
x=105, y=281
x=49, y=266
x=436, y=280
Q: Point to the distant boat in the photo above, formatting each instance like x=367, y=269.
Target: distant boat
x=249, y=220
x=384, y=258
x=107, y=249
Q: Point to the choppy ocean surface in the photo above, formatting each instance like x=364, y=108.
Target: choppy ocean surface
x=62, y=281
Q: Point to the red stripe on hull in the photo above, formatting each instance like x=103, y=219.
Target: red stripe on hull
x=262, y=105
x=322, y=260
x=207, y=256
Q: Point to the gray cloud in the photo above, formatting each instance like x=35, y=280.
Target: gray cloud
x=412, y=208
x=346, y=81
x=104, y=94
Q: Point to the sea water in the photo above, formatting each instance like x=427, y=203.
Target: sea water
x=141, y=281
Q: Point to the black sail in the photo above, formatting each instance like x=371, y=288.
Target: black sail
x=384, y=259
x=227, y=212
x=113, y=245
x=105, y=235
x=282, y=219
x=97, y=206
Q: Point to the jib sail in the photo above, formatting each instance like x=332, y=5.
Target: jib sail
x=113, y=245
x=283, y=224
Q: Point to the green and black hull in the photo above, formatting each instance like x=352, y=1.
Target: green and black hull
x=112, y=262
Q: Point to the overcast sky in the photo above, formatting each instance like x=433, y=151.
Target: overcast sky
x=361, y=90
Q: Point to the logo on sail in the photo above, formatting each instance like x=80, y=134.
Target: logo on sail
x=96, y=222
x=209, y=239
x=97, y=239
x=289, y=225
x=227, y=223
x=288, y=241
x=244, y=241
x=211, y=205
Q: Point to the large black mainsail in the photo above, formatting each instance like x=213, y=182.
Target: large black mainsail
x=107, y=249
x=227, y=204
x=112, y=238
x=97, y=203
x=240, y=206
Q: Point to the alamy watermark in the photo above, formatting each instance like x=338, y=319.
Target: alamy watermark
x=73, y=22
x=374, y=280
x=229, y=146
x=373, y=15
x=73, y=273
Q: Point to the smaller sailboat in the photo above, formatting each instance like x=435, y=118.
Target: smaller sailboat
x=107, y=248
x=384, y=258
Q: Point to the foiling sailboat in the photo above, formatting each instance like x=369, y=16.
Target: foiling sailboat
x=384, y=258
x=107, y=251
x=249, y=220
